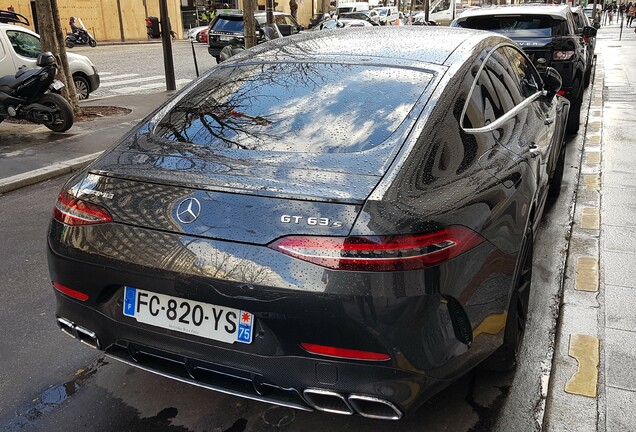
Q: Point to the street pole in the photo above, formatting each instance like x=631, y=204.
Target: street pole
x=168, y=62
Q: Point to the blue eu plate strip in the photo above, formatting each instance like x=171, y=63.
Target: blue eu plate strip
x=130, y=300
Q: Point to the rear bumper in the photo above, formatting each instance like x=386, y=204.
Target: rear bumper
x=416, y=321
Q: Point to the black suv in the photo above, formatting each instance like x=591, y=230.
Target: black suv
x=548, y=34
x=229, y=25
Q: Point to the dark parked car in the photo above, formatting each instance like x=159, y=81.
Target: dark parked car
x=549, y=35
x=320, y=229
x=590, y=41
x=228, y=26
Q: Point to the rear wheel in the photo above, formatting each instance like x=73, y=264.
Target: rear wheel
x=70, y=43
x=557, y=177
x=92, y=43
x=588, y=77
x=62, y=119
x=505, y=358
x=574, y=118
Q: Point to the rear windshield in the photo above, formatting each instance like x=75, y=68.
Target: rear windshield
x=229, y=24
x=295, y=107
x=516, y=25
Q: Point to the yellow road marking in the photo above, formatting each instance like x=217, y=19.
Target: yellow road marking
x=591, y=218
x=592, y=182
x=586, y=274
x=593, y=158
x=585, y=349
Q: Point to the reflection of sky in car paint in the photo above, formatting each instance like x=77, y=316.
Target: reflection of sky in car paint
x=297, y=107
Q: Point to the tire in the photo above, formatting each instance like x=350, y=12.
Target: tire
x=574, y=118
x=92, y=43
x=587, y=78
x=505, y=358
x=82, y=87
x=557, y=177
x=69, y=43
x=218, y=59
x=64, y=118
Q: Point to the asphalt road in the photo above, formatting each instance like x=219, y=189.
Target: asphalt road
x=51, y=382
x=139, y=68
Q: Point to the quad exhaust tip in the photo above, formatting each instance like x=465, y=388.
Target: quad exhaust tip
x=328, y=401
x=366, y=406
x=86, y=336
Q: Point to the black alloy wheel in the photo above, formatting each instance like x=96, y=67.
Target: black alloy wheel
x=505, y=358
x=82, y=87
x=554, y=188
x=574, y=118
x=62, y=119
x=92, y=43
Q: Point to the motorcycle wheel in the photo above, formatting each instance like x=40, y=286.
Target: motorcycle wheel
x=70, y=43
x=63, y=119
x=92, y=43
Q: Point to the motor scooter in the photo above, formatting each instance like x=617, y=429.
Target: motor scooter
x=82, y=37
x=33, y=95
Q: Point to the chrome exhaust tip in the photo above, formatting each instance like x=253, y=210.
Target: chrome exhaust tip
x=327, y=401
x=375, y=408
x=87, y=337
x=67, y=326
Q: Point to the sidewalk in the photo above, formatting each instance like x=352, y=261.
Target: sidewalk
x=593, y=380
x=30, y=153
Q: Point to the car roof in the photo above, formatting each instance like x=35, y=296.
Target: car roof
x=390, y=45
x=555, y=11
x=240, y=14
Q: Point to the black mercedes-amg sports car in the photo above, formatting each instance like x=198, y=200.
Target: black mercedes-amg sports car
x=340, y=221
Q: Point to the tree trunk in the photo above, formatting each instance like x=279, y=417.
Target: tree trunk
x=249, y=27
x=52, y=39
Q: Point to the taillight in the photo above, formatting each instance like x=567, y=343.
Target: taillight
x=329, y=351
x=561, y=92
x=70, y=292
x=562, y=55
x=380, y=253
x=73, y=211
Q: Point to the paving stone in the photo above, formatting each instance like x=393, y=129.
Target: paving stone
x=619, y=206
x=621, y=410
x=619, y=269
x=619, y=239
x=620, y=355
x=620, y=304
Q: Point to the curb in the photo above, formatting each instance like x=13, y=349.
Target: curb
x=32, y=177
x=572, y=403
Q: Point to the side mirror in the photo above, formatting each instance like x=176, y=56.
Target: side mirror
x=551, y=81
x=589, y=31
x=301, y=27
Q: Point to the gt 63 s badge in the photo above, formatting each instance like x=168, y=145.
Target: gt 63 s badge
x=311, y=221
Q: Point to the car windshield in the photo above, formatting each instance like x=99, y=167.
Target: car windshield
x=229, y=24
x=383, y=12
x=515, y=25
x=295, y=107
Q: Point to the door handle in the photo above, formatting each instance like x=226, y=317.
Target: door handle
x=549, y=120
x=534, y=150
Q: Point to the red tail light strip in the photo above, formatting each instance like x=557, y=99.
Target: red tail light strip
x=70, y=292
x=344, y=352
x=73, y=211
x=381, y=253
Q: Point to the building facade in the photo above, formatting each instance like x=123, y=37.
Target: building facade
x=108, y=20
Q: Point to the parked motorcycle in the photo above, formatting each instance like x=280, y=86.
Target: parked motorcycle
x=82, y=37
x=33, y=95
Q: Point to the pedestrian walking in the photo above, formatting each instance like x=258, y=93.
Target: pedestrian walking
x=293, y=7
x=610, y=14
x=631, y=13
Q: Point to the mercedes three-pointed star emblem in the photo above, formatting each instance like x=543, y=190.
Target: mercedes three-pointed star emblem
x=189, y=210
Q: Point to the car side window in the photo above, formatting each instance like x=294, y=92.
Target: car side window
x=494, y=92
x=571, y=25
x=24, y=44
x=526, y=76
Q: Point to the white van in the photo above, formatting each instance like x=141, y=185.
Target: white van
x=20, y=47
x=352, y=7
x=388, y=14
x=441, y=12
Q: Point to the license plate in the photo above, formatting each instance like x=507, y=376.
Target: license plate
x=226, y=38
x=206, y=320
x=57, y=85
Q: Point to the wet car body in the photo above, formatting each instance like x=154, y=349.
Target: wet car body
x=372, y=331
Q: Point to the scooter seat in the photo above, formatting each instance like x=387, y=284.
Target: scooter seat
x=13, y=81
